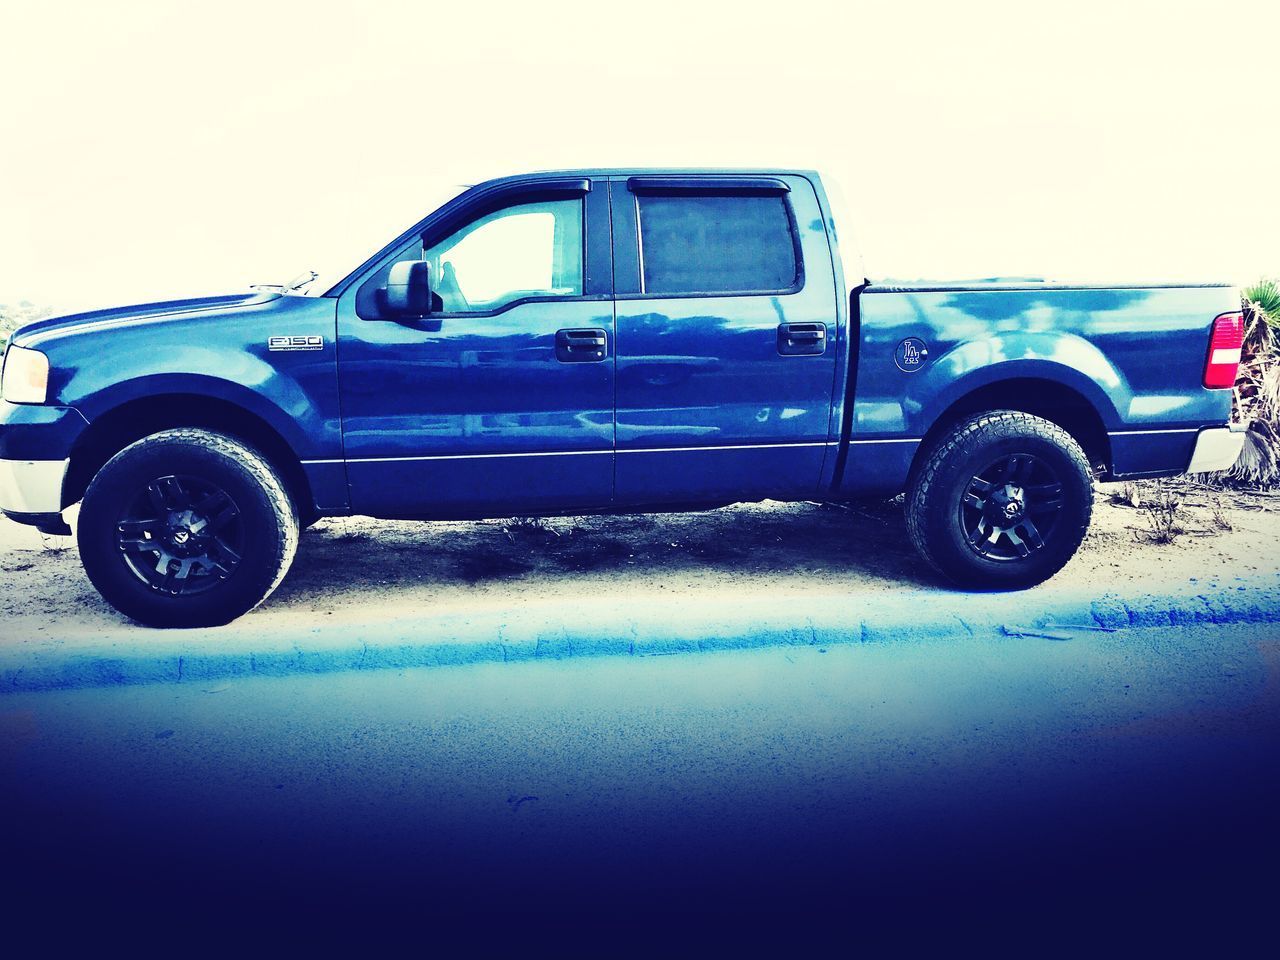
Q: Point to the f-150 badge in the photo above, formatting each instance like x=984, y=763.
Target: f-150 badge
x=311, y=342
x=911, y=355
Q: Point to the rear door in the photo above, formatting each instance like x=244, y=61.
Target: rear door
x=501, y=400
x=726, y=338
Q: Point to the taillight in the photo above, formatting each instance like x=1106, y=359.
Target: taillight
x=1224, y=351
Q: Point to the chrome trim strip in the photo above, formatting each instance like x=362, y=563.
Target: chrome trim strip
x=580, y=453
x=1131, y=433
x=467, y=456
x=731, y=446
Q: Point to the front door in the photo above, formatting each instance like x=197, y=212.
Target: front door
x=501, y=400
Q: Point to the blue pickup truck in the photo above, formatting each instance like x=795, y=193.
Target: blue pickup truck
x=595, y=341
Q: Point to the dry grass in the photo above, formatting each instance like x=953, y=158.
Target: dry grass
x=1221, y=517
x=1163, y=515
x=1129, y=495
x=530, y=530
x=1184, y=506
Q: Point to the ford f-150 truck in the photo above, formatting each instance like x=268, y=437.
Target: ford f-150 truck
x=596, y=341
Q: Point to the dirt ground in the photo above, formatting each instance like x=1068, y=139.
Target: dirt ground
x=361, y=569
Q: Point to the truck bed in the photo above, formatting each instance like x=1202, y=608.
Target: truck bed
x=1134, y=355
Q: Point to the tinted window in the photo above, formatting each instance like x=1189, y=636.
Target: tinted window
x=716, y=244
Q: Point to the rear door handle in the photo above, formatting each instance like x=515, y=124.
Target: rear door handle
x=590, y=345
x=802, y=339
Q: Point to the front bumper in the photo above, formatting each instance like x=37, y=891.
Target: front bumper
x=1216, y=449
x=35, y=449
x=32, y=486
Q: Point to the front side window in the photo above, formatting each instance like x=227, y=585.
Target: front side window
x=529, y=250
x=716, y=244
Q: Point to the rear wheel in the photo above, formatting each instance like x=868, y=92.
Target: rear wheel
x=1001, y=502
x=186, y=528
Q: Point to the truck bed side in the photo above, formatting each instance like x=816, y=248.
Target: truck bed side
x=1130, y=358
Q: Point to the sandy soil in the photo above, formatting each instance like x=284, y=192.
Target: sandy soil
x=359, y=569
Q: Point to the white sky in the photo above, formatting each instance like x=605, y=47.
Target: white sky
x=151, y=151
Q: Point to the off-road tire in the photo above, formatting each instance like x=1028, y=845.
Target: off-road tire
x=267, y=516
x=943, y=474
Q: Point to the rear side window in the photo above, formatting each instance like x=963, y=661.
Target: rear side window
x=716, y=244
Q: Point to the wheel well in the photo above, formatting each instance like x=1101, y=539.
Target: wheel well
x=110, y=433
x=1041, y=398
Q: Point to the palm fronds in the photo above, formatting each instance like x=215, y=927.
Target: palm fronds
x=1265, y=295
x=1257, y=392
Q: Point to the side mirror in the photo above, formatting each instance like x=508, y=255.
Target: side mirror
x=408, y=290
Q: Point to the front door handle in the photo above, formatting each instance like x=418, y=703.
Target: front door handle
x=802, y=339
x=589, y=345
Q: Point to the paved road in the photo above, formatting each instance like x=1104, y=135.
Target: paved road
x=1123, y=775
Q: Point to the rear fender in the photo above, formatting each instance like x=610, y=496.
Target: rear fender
x=1065, y=359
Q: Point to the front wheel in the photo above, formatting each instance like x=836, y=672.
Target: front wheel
x=186, y=528
x=1002, y=502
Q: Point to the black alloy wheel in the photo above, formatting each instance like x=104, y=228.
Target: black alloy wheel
x=181, y=535
x=1011, y=507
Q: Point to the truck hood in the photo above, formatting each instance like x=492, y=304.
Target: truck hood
x=34, y=334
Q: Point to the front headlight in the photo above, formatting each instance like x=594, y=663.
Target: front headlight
x=26, y=376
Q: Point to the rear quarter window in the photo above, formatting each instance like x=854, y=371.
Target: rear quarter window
x=717, y=244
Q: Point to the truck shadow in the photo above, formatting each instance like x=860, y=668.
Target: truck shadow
x=824, y=544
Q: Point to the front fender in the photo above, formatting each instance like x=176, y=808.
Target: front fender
x=282, y=402
x=226, y=356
